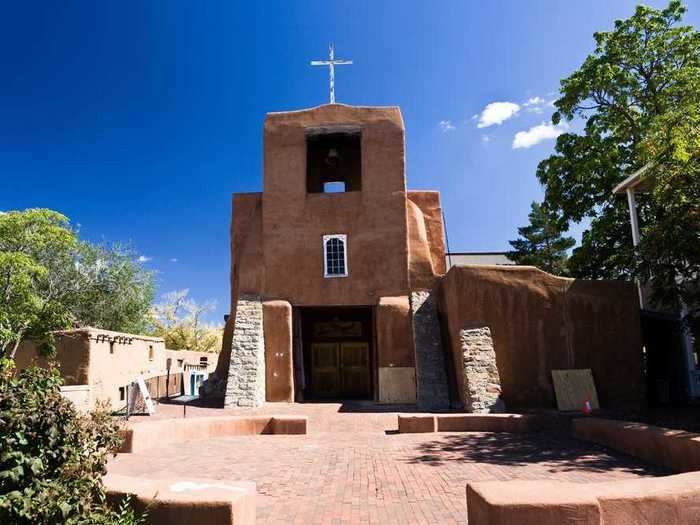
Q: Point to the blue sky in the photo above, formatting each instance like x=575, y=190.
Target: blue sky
x=139, y=119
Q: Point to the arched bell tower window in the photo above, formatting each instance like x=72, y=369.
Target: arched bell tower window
x=335, y=256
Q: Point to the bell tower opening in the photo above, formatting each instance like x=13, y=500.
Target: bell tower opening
x=333, y=160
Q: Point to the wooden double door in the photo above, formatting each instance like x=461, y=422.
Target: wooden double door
x=340, y=369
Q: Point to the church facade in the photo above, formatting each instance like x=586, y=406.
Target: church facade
x=327, y=257
x=338, y=286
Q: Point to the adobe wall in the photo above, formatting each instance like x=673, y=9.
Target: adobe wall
x=398, y=232
x=539, y=322
x=72, y=354
x=374, y=219
x=426, y=238
x=396, y=355
x=247, y=270
x=279, y=369
x=191, y=357
x=86, y=357
x=129, y=358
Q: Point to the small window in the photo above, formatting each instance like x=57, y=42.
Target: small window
x=334, y=187
x=204, y=361
x=122, y=393
x=111, y=347
x=150, y=352
x=180, y=362
x=335, y=260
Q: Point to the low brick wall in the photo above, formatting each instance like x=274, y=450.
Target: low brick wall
x=184, y=502
x=417, y=424
x=530, y=503
x=515, y=423
x=148, y=434
x=675, y=449
x=670, y=500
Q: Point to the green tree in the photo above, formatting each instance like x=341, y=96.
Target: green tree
x=50, y=280
x=642, y=76
x=115, y=290
x=52, y=458
x=669, y=253
x=35, y=248
x=541, y=243
x=178, y=320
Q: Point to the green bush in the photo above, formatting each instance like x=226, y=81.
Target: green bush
x=52, y=458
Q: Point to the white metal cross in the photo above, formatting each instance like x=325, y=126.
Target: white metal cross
x=331, y=63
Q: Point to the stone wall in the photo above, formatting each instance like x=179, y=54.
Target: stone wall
x=482, y=385
x=245, y=386
x=431, y=372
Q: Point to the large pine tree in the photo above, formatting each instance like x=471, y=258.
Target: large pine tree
x=542, y=243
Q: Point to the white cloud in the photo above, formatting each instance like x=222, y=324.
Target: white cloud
x=535, y=105
x=497, y=113
x=534, y=101
x=143, y=259
x=536, y=134
x=539, y=104
x=485, y=138
x=446, y=125
x=174, y=259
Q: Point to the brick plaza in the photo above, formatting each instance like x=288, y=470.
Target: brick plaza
x=352, y=468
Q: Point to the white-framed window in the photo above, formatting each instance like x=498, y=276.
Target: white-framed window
x=335, y=255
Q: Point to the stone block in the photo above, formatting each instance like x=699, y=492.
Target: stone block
x=245, y=385
x=482, y=384
x=431, y=371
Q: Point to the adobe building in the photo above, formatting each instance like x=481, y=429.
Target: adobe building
x=98, y=366
x=339, y=288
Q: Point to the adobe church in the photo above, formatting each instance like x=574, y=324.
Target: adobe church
x=329, y=260
x=339, y=289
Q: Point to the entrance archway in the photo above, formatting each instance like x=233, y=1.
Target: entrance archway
x=337, y=350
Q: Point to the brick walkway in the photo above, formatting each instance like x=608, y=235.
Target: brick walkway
x=349, y=470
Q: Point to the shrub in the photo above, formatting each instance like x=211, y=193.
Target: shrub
x=52, y=458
